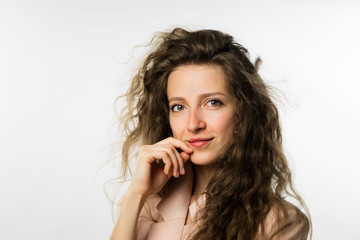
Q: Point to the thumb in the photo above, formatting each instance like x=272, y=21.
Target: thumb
x=185, y=156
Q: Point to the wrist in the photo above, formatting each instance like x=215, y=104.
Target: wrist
x=133, y=196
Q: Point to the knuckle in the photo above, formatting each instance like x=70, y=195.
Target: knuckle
x=164, y=154
x=143, y=148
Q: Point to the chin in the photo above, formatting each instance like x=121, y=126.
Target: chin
x=202, y=159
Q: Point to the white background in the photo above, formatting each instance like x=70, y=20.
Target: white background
x=60, y=73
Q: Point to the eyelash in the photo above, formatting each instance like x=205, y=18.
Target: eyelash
x=217, y=103
x=174, y=106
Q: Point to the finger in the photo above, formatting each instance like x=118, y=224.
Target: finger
x=167, y=161
x=178, y=144
x=181, y=161
x=185, y=156
x=175, y=160
x=170, y=151
x=161, y=157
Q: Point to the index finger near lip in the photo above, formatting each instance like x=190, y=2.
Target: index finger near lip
x=177, y=144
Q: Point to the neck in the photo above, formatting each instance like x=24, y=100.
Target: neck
x=202, y=175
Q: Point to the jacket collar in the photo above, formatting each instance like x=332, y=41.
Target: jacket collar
x=175, y=204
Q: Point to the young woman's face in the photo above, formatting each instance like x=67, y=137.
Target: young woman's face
x=201, y=110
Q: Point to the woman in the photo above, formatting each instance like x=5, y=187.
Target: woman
x=211, y=164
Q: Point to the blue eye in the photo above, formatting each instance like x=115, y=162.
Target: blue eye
x=213, y=103
x=177, y=108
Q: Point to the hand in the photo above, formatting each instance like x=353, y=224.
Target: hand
x=149, y=177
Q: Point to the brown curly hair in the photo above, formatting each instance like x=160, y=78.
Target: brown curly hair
x=252, y=177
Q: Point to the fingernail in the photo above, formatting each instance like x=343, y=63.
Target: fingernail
x=182, y=171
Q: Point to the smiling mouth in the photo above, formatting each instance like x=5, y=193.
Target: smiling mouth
x=199, y=142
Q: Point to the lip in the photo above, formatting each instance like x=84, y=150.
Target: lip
x=199, y=142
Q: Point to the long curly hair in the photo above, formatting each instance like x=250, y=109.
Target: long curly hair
x=252, y=176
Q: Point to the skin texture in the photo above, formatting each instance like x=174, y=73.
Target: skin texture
x=201, y=110
x=201, y=118
x=149, y=178
x=248, y=179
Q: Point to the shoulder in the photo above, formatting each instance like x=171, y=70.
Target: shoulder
x=285, y=223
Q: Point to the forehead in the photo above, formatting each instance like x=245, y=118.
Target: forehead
x=203, y=78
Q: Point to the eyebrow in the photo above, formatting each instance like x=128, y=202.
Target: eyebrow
x=204, y=95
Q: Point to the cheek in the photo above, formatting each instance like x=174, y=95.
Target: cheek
x=175, y=125
x=226, y=125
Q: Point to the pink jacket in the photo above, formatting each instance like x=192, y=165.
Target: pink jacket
x=164, y=218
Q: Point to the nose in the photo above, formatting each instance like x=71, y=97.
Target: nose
x=196, y=121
